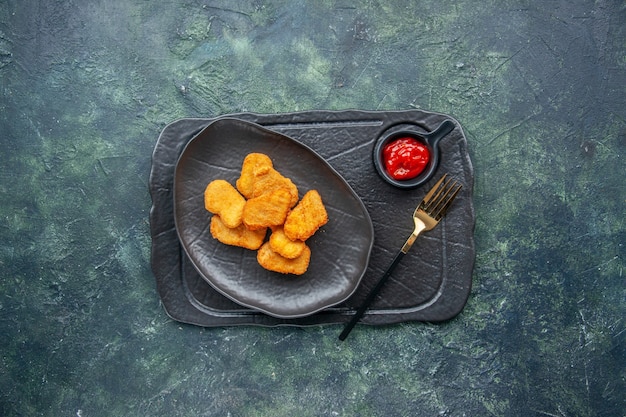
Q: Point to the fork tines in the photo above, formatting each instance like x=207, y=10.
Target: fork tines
x=439, y=198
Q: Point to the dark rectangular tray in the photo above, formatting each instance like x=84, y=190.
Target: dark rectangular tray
x=346, y=140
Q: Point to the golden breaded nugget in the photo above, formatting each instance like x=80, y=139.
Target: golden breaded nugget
x=272, y=261
x=253, y=164
x=284, y=246
x=237, y=236
x=267, y=210
x=223, y=199
x=308, y=216
x=259, y=177
x=268, y=180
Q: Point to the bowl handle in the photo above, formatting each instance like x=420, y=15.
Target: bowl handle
x=439, y=133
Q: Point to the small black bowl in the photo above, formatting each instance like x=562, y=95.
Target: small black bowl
x=430, y=140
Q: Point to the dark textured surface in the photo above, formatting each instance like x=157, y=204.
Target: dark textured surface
x=436, y=277
x=540, y=90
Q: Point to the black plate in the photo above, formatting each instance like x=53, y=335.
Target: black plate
x=340, y=250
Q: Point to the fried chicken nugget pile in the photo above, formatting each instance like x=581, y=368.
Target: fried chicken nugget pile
x=265, y=200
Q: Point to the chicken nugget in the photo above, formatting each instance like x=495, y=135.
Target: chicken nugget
x=237, y=236
x=266, y=210
x=268, y=180
x=254, y=164
x=223, y=199
x=308, y=216
x=272, y=261
x=284, y=246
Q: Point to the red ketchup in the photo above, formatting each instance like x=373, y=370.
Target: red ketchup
x=405, y=158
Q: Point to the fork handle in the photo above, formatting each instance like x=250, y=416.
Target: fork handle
x=370, y=296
